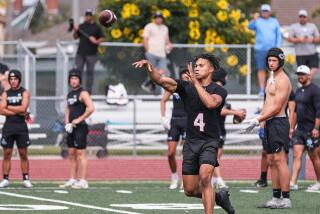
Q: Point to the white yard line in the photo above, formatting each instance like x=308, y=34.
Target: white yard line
x=65, y=202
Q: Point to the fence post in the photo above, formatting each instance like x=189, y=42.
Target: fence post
x=248, y=80
x=134, y=152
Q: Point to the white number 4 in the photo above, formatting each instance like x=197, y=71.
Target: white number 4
x=199, y=122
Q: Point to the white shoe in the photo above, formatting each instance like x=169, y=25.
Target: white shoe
x=221, y=185
x=273, y=203
x=174, y=184
x=314, y=187
x=81, y=184
x=4, y=183
x=294, y=187
x=284, y=204
x=69, y=183
x=27, y=184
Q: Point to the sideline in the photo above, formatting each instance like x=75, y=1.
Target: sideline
x=66, y=202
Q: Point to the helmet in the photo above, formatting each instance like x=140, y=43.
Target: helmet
x=15, y=73
x=276, y=52
x=74, y=73
x=220, y=75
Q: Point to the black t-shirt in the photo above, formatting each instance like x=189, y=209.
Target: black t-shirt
x=3, y=68
x=15, y=123
x=307, y=106
x=222, y=120
x=76, y=107
x=202, y=123
x=86, y=48
x=178, y=106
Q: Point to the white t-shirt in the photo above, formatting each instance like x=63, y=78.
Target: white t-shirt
x=157, y=36
x=308, y=30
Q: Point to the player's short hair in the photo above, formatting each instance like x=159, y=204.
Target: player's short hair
x=213, y=60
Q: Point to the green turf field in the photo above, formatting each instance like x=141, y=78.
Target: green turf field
x=138, y=197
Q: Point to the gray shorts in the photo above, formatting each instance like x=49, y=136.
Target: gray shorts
x=158, y=62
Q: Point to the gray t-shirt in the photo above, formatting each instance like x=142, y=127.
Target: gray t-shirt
x=308, y=30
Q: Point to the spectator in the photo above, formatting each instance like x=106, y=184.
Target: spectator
x=304, y=35
x=267, y=36
x=90, y=36
x=4, y=71
x=157, y=44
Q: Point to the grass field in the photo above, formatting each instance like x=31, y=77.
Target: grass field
x=139, y=197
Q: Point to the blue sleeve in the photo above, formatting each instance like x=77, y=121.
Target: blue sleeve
x=278, y=32
x=252, y=25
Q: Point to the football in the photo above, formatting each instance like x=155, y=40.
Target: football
x=237, y=119
x=107, y=18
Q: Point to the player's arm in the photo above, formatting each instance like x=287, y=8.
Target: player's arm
x=316, y=103
x=24, y=104
x=3, y=106
x=86, y=99
x=163, y=102
x=66, y=119
x=167, y=83
x=240, y=113
x=211, y=101
x=292, y=117
x=281, y=98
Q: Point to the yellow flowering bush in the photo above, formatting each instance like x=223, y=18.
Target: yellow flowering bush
x=243, y=70
x=190, y=20
x=232, y=60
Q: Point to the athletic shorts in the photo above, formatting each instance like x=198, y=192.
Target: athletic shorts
x=260, y=59
x=221, y=141
x=277, y=135
x=21, y=138
x=177, y=129
x=158, y=62
x=301, y=137
x=312, y=61
x=199, y=152
x=78, y=138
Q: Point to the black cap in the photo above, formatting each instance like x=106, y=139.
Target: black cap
x=158, y=14
x=89, y=12
x=182, y=70
x=74, y=73
x=15, y=73
x=220, y=75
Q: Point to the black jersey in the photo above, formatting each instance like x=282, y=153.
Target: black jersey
x=14, y=98
x=307, y=106
x=222, y=120
x=178, y=106
x=76, y=107
x=15, y=123
x=202, y=123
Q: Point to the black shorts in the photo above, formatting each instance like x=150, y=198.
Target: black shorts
x=277, y=135
x=21, y=138
x=177, y=129
x=302, y=137
x=78, y=138
x=221, y=141
x=199, y=152
x=312, y=61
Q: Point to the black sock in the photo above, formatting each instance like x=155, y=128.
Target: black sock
x=263, y=176
x=6, y=177
x=286, y=194
x=25, y=176
x=277, y=193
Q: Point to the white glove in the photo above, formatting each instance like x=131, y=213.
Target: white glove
x=165, y=122
x=68, y=127
x=252, y=123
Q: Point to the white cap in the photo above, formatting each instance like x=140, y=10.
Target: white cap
x=303, y=69
x=265, y=7
x=303, y=13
